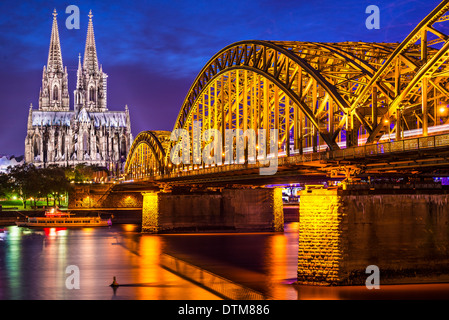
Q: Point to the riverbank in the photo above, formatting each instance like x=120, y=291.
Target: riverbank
x=8, y=218
x=119, y=216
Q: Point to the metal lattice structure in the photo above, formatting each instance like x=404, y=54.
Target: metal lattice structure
x=324, y=96
x=147, y=154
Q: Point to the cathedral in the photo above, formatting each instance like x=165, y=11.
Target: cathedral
x=90, y=133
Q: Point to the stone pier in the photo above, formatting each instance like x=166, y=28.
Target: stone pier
x=403, y=232
x=100, y=196
x=224, y=210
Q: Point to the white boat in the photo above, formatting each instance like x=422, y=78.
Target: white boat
x=56, y=218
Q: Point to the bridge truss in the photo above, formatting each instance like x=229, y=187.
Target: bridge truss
x=317, y=96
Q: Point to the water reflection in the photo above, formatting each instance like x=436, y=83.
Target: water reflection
x=33, y=265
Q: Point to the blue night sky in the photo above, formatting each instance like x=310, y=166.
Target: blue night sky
x=153, y=50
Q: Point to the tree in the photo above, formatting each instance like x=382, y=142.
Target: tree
x=31, y=182
x=5, y=185
x=55, y=182
x=80, y=173
x=25, y=181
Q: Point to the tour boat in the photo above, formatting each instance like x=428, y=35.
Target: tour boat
x=56, y=218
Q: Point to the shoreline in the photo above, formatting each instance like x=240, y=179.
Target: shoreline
x=119, y=216
x=8, y=218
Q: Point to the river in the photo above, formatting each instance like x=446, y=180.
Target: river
x=80, y=263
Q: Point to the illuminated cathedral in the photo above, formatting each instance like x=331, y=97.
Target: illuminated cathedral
x=89, y=133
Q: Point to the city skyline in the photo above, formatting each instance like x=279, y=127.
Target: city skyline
x=153, y=51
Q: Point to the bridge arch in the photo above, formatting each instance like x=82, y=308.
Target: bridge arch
x=320, y=96
x=415, y=74
x=147, y=156
x=302, y=89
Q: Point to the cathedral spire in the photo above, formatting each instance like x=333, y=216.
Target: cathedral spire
x=54, y=63
x=90, y=52
x=30, y=117
x=79, y=73
x=91, y=85
x=54, y=94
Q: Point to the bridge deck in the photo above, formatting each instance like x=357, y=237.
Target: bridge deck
x=408, y=156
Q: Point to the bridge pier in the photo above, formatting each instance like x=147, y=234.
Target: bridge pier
x=403, y=232
x=221, y=210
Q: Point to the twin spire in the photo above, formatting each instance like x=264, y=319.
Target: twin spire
x=91, y=84
x=54, y=54
x=90, y=52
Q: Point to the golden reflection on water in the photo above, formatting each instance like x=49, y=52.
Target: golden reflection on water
x=34, y=265
x=281, y=261
x=156, y=283
x=149, y=272
x=277, y=270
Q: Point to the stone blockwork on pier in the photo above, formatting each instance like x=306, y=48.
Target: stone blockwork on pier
x=321, y=237
x=405, y=234
x=226, y=210
x=100, y=196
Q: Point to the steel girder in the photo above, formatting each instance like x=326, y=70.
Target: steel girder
x=415, y=79
x=348, y=93
x=316, y=79
x=147, y=154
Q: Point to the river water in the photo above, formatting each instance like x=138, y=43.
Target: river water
x=50, y=263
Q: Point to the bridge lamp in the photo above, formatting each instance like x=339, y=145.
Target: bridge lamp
x=386, y=121
x=443, y=110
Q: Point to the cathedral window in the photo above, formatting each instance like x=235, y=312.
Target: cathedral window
x=36, y=147
x=92, y=94
x=85, y=142
x=55, y=92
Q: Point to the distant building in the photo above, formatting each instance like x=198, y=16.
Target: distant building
x=9, y=161
x=89, y=133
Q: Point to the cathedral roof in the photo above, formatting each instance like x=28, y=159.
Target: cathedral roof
x=83, y=116
x=109, y=118
x=52, y=118
x=99, y=119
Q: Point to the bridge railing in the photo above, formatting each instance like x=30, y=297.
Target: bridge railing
x=282, y=160
x=406, y=145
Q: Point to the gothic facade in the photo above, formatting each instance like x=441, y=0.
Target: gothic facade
x=89, y=133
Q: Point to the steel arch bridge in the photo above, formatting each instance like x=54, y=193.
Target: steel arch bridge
x=147, y=154
x=316, y=96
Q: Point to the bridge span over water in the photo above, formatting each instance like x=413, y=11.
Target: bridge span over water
x=331, y=109
x=263, y=113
